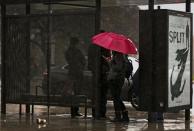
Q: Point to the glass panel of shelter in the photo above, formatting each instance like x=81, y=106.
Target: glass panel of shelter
x=46, y=42
x=68, y=37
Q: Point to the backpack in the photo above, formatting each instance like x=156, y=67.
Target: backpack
x=128, y=68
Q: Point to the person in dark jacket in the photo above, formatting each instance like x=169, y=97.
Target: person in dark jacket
x=76, y=61
x=116, y=79
x=104, y=68
x=92, y=65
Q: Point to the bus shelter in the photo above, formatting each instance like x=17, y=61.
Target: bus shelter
x=45, y=46
x=39, y=66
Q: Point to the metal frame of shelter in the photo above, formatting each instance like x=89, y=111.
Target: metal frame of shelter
x=28, y=3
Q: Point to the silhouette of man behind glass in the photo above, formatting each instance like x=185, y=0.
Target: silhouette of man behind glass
x=76, y=61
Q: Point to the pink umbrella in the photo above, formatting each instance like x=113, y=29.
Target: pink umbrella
x=116, y=42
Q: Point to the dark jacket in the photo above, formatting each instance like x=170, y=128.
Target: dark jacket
x=117, y=67
x=76, y=61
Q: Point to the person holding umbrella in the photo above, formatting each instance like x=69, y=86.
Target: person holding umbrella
x=120, y=45
x=116, y=79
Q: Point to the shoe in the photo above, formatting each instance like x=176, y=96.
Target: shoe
x=125, y=116
x=125, y=120
x=117, y=117
x=76, y=115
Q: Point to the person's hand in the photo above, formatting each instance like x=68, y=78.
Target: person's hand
x=108, y=59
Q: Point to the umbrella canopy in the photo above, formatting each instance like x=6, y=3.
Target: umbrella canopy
x=116, y=42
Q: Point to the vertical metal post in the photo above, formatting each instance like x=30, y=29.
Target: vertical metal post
x=48, y=55
x=151, y=115
x=28, y=8
x=28, y=51
x=3, y=41
x=151, y=4
x=98, y=16
x=97, y=70
x=20, y=109
x=187, y=111
x=188, y=5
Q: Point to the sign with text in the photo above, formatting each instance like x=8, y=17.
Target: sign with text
x=179, y=61
x=165, y=60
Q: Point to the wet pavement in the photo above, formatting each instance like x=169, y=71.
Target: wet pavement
x=60, y=124
x=59, y=119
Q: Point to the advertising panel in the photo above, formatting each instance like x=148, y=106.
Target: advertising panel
x=179, y=40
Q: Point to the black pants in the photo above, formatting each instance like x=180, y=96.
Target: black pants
x=115, y=87
x=77, y=85
x=103, y=98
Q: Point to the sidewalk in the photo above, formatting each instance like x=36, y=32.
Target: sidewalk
x=60, y=120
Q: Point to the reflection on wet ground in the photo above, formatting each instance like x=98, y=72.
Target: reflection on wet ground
x=60, y=120
x=56, y=123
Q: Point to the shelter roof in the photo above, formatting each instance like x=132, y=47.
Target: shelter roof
x=104, y=2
